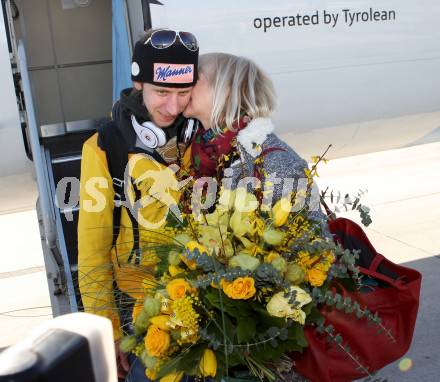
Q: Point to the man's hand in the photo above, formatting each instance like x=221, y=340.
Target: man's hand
x=121, y=361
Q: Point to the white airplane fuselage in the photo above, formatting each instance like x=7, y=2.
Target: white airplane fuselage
x=361, y=75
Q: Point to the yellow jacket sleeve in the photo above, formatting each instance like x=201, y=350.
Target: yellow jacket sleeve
x=95, y=231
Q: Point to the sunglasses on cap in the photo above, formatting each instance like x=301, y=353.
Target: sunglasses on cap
x=164, y=38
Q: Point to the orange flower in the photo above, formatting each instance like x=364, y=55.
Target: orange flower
x=241, y=288
x=178, y=288
x=157, y=341
x=316, y=277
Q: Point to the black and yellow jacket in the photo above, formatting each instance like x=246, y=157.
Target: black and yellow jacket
x=103, y=266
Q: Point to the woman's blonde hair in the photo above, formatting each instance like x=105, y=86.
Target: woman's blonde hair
x=240, y=88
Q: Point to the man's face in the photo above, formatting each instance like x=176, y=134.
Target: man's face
x=164, y=104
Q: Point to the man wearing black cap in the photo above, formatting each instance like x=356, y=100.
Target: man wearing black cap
x=146, y=134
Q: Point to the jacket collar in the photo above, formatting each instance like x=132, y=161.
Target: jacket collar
x=254, y=135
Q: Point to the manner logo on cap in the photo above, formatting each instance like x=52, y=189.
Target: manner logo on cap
x=173, y=73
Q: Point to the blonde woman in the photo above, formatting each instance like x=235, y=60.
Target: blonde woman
x=234, y=100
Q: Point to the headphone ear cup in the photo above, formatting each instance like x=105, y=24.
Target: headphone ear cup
x=192, y=125
x=160, y=135
x=149, y=134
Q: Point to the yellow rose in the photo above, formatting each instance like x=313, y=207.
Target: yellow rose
x=279, y=305
x=316, y=277
x=299, y=316
x=161, y=322
x=281, y=211
x=208, y=364
x=241, y=288
x=157, y=341
x=173, y=377
x=178, y=288
x=301, y=296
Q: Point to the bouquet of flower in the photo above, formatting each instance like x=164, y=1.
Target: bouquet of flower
x=233, y=288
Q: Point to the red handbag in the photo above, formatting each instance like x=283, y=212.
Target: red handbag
x=396, y=301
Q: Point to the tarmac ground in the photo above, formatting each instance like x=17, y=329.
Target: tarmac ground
x=403, y=195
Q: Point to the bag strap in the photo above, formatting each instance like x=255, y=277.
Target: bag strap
x=116, y=151
x=373, y=271
x=135, y=251
x=376, y=262
x=397, y=283
x=113, y=143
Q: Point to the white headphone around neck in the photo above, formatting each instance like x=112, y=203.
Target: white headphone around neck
x=192, y=125
x=149, y=134
x=153, y=136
